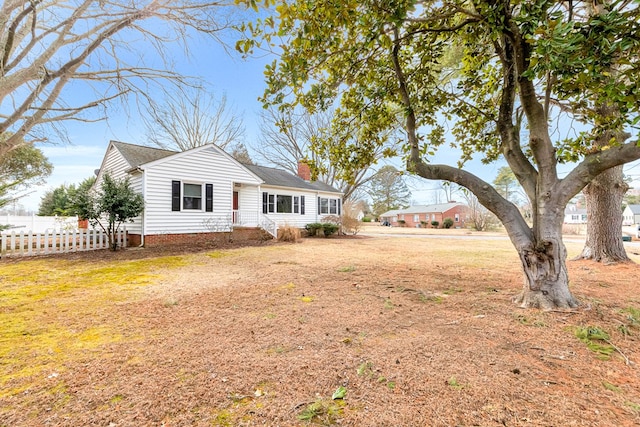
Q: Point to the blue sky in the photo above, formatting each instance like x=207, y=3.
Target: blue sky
x=242, y=82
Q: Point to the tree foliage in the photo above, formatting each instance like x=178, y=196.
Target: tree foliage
x=388, y=190
x=20, y=169
x=492, y=76
x=62, y=200
x=506, y=184
x=110, y=206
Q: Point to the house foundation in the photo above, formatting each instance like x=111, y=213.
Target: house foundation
x=239, y=234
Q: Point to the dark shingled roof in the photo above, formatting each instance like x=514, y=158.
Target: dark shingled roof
x=280, y=178
x=137, y=155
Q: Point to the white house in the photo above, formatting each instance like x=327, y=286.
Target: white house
x=203, y=190
x=575, y=215
x=631, y=215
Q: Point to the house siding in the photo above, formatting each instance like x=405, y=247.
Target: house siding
x=631, y=215
x=298, y=220
x=115, y=165
x=207, y=166
x=204, y=166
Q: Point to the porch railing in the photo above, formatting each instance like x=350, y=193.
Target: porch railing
x=254, y=219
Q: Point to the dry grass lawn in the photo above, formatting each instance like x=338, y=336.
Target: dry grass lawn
x=407, y=331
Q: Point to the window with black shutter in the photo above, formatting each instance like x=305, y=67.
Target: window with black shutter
x=209, y=197
x=265, y=202
x=301, y=205
x=175, y=195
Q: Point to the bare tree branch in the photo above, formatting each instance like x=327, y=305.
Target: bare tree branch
x=101, y=44
x=189, y=118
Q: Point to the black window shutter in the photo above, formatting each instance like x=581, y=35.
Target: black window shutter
x=301, y=205
x=175, y=195
x=209, y=197
x=265, y=202
x=319, y=211
x=339, y=206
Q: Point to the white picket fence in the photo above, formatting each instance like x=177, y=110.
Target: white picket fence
x=27, y=243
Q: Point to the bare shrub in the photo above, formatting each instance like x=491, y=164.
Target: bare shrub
x=574, y=229
x=350, y=224
x=289, y=234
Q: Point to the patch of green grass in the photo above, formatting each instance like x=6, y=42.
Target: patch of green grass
x=42, y=300
x=596, y=339
x=116, y=399
x=347, y=269
x=633, y=315
x=323, y=411
x=431, y=298
x=611, y=387
x=451, y=291
x=218, y=254
x=306, y=298
x=530, y=321
x=633, y=406
x=365, y=368
x=453, y=383
x=388, y=304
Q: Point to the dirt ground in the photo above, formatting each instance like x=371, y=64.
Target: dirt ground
x=402, y=331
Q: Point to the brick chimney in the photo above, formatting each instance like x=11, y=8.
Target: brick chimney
x=304, y=171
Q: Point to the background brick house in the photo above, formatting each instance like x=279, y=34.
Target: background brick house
x=422, y=216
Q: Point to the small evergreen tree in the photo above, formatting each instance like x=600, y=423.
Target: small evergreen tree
x=111, y=206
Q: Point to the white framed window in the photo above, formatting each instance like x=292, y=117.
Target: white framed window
x=416, y=218
x=457, y=217
x=192, y=196
x=329, y=206
x=282, y=203
x=189, y=196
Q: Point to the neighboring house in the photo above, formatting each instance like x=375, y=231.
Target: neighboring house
x=417, y=216
x=631, y=215
x=205, y=190
x=575, y=215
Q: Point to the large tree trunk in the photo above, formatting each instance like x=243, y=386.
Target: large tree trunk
x=546, y=281
x=604, y=218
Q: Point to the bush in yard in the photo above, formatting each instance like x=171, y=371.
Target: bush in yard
x=424, y=224
x=313, y=228
x=329, y=228
x=317, y=228
x=366, y=219
x=435, y=224
x=350, y=224
x=402, y=222
x=113, y=204
x=447, y=223
x=288, y=234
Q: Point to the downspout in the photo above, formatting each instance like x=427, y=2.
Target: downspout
x=144, y=217
x=259, y=207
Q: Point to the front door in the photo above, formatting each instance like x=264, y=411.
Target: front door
x=235, y=207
